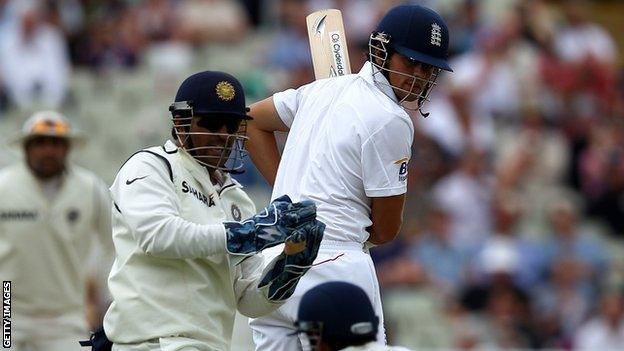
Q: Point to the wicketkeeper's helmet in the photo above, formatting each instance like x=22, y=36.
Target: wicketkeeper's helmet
x=217, y=98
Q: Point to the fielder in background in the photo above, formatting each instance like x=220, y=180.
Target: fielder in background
x=348, y=148
x=337, y=316
x=186, y=238
x=51, y=214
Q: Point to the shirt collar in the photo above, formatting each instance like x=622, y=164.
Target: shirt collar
x=372, y=75
x=170, y=146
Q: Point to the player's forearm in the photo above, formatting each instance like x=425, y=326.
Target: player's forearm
x=174, y=237
x=386, y=218
x=264, y=153
x=253, y=302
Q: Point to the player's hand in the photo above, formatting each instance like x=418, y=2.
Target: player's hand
x=302, y=246
x=300, y=252
x=269, y=227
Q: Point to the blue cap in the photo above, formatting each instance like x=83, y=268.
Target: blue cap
x=418, y=33
x=342, y=310
x=211, y=92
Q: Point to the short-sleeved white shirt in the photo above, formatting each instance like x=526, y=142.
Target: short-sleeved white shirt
x=348, y=142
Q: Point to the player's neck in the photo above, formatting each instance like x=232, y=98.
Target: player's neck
x=216, y=177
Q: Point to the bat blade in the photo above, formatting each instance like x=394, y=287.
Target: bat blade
x=328, y=44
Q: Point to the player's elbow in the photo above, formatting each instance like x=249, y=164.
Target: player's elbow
x=152, y=244
x=147, y=244
x=385, y=232
x=265, y=117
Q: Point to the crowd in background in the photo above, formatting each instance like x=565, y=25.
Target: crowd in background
x=514, y=223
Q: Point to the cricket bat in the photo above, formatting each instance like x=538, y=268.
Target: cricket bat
x=328, y=44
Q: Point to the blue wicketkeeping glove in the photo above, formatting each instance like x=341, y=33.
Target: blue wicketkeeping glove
x=300, y=252
x=268, y=228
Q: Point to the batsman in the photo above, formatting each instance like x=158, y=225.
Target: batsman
x=348, y=148
x=186, y=238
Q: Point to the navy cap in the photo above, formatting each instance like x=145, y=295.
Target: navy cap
x=212, y=92
x=418, y=33
x=343, y=309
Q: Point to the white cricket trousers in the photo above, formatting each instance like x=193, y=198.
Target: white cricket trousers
x=59, y=333
x=336, y=261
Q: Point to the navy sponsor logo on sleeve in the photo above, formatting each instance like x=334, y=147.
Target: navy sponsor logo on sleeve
x=402, y=163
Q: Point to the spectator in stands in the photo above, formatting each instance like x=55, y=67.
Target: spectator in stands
x=441, y=259
x=34, y=65
x=580, y=40
x=569, y=241
x=606, y=330
x=288, y=54
x=499, y=304
x=211, y=21
x=560, y=303
x=601, y=174
x=465, y=194
x=530, y=263
x=464, y=26
x=589, y=55
x=531, y=161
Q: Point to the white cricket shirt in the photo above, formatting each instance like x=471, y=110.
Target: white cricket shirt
x=45, y=243
x=348, y=142
x=172, y=276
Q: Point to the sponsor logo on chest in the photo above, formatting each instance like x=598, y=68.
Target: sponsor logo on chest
x=206, y=200
x=18, y=215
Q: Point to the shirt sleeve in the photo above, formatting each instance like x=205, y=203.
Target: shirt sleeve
x=252, y=301
x=287, y=103
x=145, y=197
x=385, y=156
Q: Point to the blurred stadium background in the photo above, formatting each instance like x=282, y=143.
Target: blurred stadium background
x=514, y=230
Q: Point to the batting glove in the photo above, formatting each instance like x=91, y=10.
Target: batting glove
x=300, y=252
x=269, y=228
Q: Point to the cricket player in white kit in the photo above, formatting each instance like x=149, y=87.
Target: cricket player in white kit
x=186, y=259
x=52, y=213
x=348, y=147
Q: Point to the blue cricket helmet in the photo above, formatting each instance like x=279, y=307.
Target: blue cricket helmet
x=217, y=99
x=418, y=33
x=212, y=93
x=337, y=311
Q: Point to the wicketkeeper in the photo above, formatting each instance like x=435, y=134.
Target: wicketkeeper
x=186, y=238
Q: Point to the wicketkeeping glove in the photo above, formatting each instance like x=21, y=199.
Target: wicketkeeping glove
x=300, y=252
x=268, y=228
